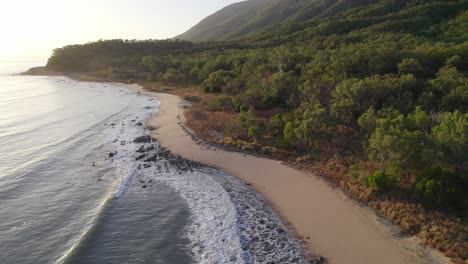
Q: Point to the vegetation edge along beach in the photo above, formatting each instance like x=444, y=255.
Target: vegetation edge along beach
x=373, y=97
x=297, y=196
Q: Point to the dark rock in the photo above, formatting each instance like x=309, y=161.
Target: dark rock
x=142, y=139
x=139, y=124
x=267, y=246
x=112, y=154
x=245, y=246
x=140, y=157
x=141, y=149
x=152, y=159
x=247, y=184
x=144, y=186
x=150, y=148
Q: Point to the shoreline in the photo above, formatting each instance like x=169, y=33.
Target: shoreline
x=328, y=222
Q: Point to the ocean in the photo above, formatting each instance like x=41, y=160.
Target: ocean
x=81, y=181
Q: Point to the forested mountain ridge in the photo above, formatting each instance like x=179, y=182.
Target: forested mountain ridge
x=245, y=17
x=377, y=93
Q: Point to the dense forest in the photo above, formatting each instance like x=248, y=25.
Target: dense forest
x=383, y=85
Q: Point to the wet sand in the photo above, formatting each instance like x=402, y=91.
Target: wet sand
x=330, y=224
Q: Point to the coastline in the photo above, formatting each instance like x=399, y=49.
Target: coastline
x=329, y=223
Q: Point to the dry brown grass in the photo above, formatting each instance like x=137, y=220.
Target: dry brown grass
x=209, y=126
x=434, y=228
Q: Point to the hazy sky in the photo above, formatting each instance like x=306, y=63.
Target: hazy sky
x=33, y=28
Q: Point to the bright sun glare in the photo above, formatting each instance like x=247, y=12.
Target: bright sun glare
x=35, y=28
x=32, y=26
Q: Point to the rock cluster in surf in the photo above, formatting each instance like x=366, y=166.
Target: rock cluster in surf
x=230, y=222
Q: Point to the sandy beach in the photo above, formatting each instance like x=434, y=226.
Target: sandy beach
x=330, y=224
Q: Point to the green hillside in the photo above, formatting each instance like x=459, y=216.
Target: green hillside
x=244, y=17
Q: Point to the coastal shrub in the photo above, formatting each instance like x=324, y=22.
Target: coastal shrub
x=216, y=81
x=316, y=127
x=239, y=107
x=378, y=181
x=276, y=125
x=437, y=188
x=289, y=133
x=449, y=147
x=150, y=77
x=411, y=66
x=172, y=76
x=247, y=119
x=220, y=103
x=393, y=142
x=253, y=133
x=268, y=102
x=367, y=122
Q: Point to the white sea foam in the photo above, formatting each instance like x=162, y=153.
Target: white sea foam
x=264, y=237
x=213, y=226
x=128, y=175
x=230, y=222
x=121, y=135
